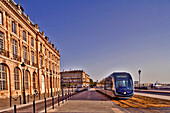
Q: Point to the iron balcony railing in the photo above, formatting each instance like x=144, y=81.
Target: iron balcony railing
x=4, y=52
x=34, y=64
x=16, y=57
x=27, y=61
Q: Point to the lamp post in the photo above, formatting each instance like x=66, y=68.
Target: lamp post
x=51, y=84
x=23, y=69
x=139, y=72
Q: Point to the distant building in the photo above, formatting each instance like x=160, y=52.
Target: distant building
x=136, y=83
x=75, y=78
x=22, y=41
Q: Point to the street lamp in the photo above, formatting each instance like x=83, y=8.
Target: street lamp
x=139, y=72
x=51, y=83
x=23, y=69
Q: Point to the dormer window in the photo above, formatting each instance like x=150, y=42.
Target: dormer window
x=0, y=17
x=24, y=36
x=14, y=27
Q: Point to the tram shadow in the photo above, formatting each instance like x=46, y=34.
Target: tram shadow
x=113, y=98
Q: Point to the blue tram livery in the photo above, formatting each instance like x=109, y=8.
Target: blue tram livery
x=118, y=84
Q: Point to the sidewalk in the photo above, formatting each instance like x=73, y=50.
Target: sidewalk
x=153, y=95
x=5, y=102
x=87, y=101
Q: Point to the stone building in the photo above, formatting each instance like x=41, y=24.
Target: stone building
x=75, y=78
x=22, y=41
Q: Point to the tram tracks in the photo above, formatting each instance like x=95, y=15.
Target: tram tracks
x=142, y=102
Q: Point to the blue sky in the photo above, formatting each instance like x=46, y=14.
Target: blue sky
x=103, y=36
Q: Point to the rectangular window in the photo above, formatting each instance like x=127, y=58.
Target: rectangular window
x=24, y=36
x=48, y=54
x=0, y=17
x=41, y=62
x=40, y=47
x=14, y=27
x=32, y=57
x=25, y=52
x=45, y=62
x=15, y=50
x=49, y=66
x=53, y=67
x=45, y=51
x=32, y=42
x=1, y=42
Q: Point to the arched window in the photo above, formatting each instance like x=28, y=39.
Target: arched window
x=0, y=17
x=26, y=80
x=3, y=79
x=16, y=78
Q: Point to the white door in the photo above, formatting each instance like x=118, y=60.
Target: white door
x=42, y=83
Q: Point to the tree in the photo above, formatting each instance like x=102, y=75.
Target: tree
x=91, y=82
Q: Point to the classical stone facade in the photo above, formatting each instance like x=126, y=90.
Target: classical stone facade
x=22, y=41
x=75, y=78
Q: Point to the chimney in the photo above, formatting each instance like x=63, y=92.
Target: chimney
x=46, y=38
x=53, y=45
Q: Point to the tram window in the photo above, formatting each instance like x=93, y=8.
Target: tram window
x=123, y=83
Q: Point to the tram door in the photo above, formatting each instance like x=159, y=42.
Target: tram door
x=42, y=84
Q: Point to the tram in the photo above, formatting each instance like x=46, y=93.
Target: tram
x=118, y=84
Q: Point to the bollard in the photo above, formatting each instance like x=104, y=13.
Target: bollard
x=44, y=95
x=33, y=106
x=20, y=99
x=45, y=106
x=10, y=101
x=52, y=102
x=15, y=110
x=58, y=100
x=28, y=98
x=34, y=96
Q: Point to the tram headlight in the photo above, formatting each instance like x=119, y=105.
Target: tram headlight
x=124, y=93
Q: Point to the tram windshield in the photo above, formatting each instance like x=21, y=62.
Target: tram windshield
x=124, y=83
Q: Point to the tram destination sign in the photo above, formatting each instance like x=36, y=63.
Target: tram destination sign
x=121, y=76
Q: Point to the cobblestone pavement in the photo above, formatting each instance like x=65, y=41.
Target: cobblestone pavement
x=88, y=101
